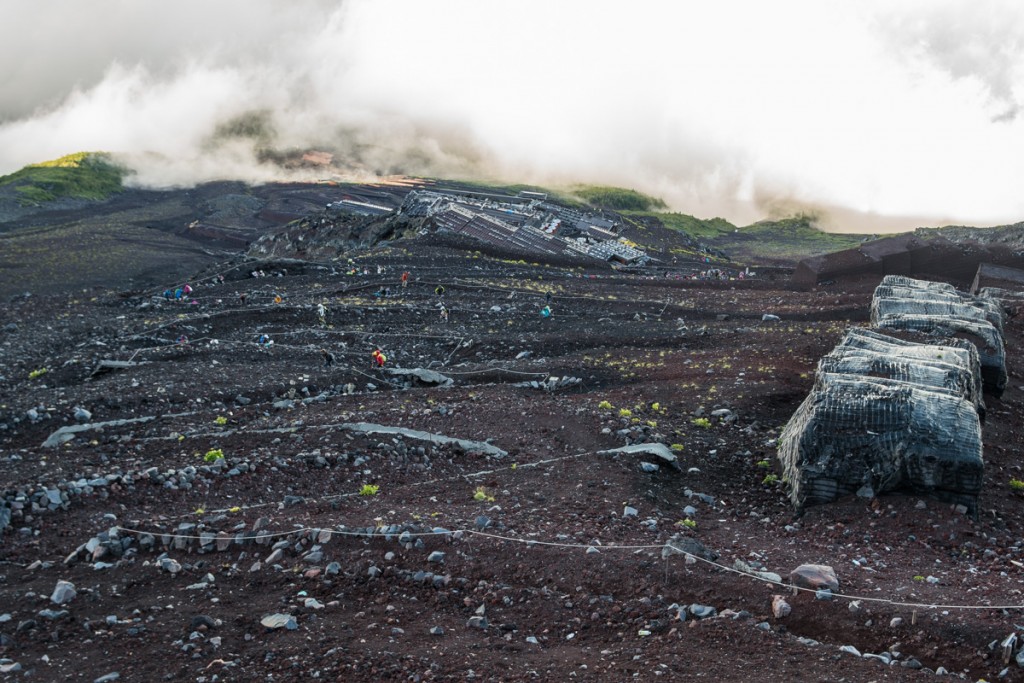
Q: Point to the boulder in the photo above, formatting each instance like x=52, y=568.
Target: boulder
x=814, y=577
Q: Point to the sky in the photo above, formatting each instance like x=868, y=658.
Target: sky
x=874, y=116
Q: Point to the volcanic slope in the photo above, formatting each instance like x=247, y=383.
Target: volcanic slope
x=233, y=482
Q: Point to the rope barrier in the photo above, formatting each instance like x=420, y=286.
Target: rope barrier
x=667, y=550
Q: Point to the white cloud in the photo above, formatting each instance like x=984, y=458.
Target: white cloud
x=729, y=108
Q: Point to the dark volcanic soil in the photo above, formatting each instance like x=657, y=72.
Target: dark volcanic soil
x=556, y=570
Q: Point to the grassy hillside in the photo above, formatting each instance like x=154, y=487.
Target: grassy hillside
x=788, y=239
x=85, y=175
x=698, y=228
x=617, y=198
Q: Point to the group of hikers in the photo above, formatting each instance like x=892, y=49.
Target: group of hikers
x=377, y=357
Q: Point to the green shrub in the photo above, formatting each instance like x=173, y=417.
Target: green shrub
x=701, y=422
x=481, y=495
x=213, y=455
x=369, y=490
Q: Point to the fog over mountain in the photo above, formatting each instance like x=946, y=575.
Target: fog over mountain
x=876, y=116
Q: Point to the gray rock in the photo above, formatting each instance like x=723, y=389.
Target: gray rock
x=658, y=450
x=170, y=566
x=850, y=649
x=312, y=603
x=82, y=415
x=702, y=611
x=276, y=621
x=780, y=608
x=649, y=467
x=686, y=545
x=532, y=640
x=477, y=622
x=436, y=556
x=63, y=593
x=108, y=678
x=823, y=594
x=436, y=631
x=53, y=614
x=769, y=318
x=629, y=511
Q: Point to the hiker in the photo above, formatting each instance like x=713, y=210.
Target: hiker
x=278, y=299
x=444, y=313
x=265, y=341
x=168, y=294
x=187, y=289
x=177, y=294
x=379, y=358
x=220, y=279
x=321, y=313
x=182, y=340
x=546, y=311
x=405, y=279
x=547, y=298
x=241, y=298
x=328, y=358
x=439, y=290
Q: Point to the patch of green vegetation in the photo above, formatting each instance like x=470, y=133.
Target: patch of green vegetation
x=698, y=228
x=617, y=198
x=85, y=175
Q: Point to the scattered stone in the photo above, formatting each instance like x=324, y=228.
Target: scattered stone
x=477, y=622
x=780, y=608
x=63, y=593
x=850, y=649
x=702, y=611
x=276, y=621
x=201, y=621
x=170, y=566
x=895, y=622
x=108, y=678
x=437, y=557
x=630, y=511
x=436, y=631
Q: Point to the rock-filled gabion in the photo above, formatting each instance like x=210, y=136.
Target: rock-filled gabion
x=915, y=428
x=901, y=303
x=952, y=364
